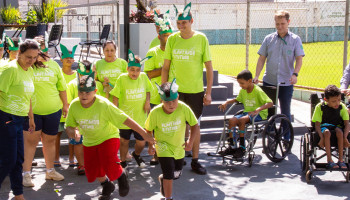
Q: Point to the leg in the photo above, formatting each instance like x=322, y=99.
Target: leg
x=339, y=134
x=31, y=141
x=241, y=126
x=124, y=147
x=140, y=144
x=327, y=142
x=166, y=179
x=58, y=146
x=49, y=155
x=71, y=154
x=79, y=154
x=168, y=188
x=285, y=98
x=346, y=141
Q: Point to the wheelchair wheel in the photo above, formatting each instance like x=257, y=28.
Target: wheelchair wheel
x=247, y=138
x=308, y=176
x=250, y=159
x=276, y=147
x=347, y=177
x=304, y=149
x=302, y=159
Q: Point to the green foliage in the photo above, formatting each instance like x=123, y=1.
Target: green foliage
x=31, y=17
x=10, y=15
x=46, y=12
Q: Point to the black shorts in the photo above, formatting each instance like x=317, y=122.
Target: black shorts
x=170, y=166
x=194, y=101
x=48, y=124
x=126, y=134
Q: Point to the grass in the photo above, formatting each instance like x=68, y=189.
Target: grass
x=322, y=64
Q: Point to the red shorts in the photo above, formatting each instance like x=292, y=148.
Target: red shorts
x=102, y=159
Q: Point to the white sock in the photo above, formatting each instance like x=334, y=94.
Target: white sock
x=49, y=170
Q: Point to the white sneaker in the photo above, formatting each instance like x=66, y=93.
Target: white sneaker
x=53, y=175
x=27, y=181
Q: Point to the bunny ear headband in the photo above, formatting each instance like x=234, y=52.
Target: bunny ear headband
x=186, y=13
x=65, y=52
x=172, y=95
x=82, y=69
x=132, y=60
x=90, y=84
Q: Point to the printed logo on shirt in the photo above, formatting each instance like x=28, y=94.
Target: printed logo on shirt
x=183, y=54
x=110, y=73
x=17, y=104
x=89, y=124
x=135, y=94
x=172, y=126
x=28, y=86
x=250, y=102
x=43, y=76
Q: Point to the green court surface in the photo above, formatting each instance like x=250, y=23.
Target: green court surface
x=322, y=64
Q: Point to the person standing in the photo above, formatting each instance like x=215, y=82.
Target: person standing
x=280, y=50
x=186, y=51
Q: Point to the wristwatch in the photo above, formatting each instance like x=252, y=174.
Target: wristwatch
x=296, y=74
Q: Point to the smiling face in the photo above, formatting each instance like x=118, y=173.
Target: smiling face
x=170, y=106
x=244, y=84
x=333, y=102
x=281, y=24
x=134, y=72
x=28, y=58
x=184, y=25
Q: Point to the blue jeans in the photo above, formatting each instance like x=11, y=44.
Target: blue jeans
x=285, y=98
x=11, y=150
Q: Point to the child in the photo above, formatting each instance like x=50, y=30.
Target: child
x=332, y=115
x=255, y=102
x=98, y=119
x=132, y=95
x=168, y=121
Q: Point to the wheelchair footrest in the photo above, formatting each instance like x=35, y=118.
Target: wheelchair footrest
x=323, y=167
x=214, y=154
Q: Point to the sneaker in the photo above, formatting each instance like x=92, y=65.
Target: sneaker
x=107, y=189
x=160, y=178
x=153, y=162
x=227, y=151
x=53, y=175
x=123, y=184
x=198, y=168
x=123, y=164
x=27, y=181
x=239, y=153
x=81, y=170
x=139, y=160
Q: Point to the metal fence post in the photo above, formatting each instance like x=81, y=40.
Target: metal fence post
x=247, y=36
x=346, y=34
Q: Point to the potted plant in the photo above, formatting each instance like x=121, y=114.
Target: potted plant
x=10, y=15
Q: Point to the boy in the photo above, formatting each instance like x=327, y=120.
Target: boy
x=168, y=121
x=332, y=115
x=98, y=120
x=255, y=102
x=132, y=95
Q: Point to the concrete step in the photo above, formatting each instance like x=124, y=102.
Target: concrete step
x=213, y=110
x=215, y=78
x=218, y=92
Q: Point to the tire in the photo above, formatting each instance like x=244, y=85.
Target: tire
x=277, y=127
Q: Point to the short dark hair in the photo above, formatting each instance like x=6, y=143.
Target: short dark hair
x=245, y=75
x=331, y=91
x=109, y=42
x=166, y=88
x=28, y=44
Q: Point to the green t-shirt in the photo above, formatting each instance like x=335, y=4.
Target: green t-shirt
x=169, y=129
x=153, y=63
x=254, y=100
x=16, y=89
x=68, y=78
x=72, y=89
x=155, y=42
x=3, y=63
x=97, y=123
x=132, y=96
x=111, y=70
x=188, y=56
x=317, y=116
x=48, y=82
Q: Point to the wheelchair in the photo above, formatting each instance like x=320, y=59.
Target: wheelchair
x=310, y=161
x=273, y=131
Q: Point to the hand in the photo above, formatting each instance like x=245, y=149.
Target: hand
x=223, y=106
x=253, y=113
x=256, y=80
x=207, y=99
x=187, y=146
x=31, y=125
x=65, y=110
x=293, y=80
x=151, y=150
x=106, y=81
x=77, y=137
x=149, y=139
x=147, y=107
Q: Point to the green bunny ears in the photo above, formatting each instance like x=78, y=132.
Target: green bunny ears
x=89, y=85
x=132, y=60
x=46, y=39
x=164, y=23
x=12, y=45
x=82, y=69
x=172, y=95
x=65, y=52
x=186, y=13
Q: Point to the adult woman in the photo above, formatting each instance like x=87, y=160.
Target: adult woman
x=16, y=90
x=109, y=68
x=48, y=100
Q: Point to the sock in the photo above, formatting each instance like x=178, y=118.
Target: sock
x=194, y=159
x=49, y=170
x=106, y=181
x=26, y=172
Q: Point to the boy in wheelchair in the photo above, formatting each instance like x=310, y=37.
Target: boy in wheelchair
x=255, y=102
x=331, y=117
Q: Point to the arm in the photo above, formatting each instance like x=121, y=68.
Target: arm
x=63, y=96
x=151, y=149
x=31, y=119
x=263, y=107
x=207, y=95
x=259, y=67
x=136, y=127
x=116, y=101
x=345, y=80
x=223, y=106
x=298, y=63
x=154, y=73
x=193, y=135
x=70, y=131
x=147, y=106
x=165, y=70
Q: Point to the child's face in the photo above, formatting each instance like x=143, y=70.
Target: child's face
x=134, y=72
x=86, y=98
x=68, y=61
x=170, y=106
x=184, y=25
x=333, y=102
x=244, y=84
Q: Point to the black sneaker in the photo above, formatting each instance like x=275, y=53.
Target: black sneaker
x=123, y=164
x=198, y=168
x=239, y=153
x=123, y=184
x=107, y=189
x=228, y=151
x=188, y=154
x=139, y=160
x=160, y=179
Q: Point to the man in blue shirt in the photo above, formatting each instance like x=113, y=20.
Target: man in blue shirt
x=281, y=49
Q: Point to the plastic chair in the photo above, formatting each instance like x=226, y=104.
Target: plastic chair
x=97, y=43
x=55, y=37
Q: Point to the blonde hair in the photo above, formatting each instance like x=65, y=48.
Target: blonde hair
x=282, y=14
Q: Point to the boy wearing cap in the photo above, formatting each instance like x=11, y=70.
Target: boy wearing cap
x=98, y=120
x=168, y=121
x=132, y=95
